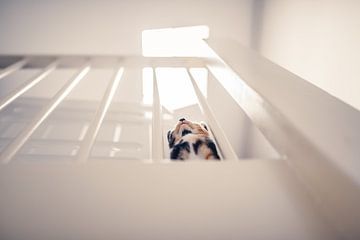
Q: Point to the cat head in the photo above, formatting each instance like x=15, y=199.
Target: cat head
x=184, y=127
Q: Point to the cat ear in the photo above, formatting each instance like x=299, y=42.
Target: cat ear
x=203, y=124
x=170, y=138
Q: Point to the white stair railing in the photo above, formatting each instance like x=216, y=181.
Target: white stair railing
x=9, y=152
x=91, y=134
x=318, y=134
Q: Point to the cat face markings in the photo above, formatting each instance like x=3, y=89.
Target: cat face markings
x=191, y=140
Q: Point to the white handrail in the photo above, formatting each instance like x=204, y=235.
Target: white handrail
x=318, y=134
x=9, y=152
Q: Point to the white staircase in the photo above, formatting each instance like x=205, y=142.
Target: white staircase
x=84, y=156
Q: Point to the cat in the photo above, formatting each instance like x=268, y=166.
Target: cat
x=190, y=140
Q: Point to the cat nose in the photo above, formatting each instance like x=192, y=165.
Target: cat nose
x=182, y=119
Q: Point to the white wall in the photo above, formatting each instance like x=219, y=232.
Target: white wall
x=317, y=40
x=110, y=27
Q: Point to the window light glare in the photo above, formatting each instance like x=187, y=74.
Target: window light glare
x=175, y=88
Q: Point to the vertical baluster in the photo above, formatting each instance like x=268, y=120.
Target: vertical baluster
x=13, y=68
x=157, y=141
x=27, y=85
x=221, y=139
x=10, y=151
x=95, y=125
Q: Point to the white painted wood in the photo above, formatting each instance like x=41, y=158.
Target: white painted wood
x=90, y=137
x=133, y=200
x=12, y=68
x=156, y=140
x=27, y=85
x=222, y=142
x=112, y=199
x=317, y=133
x=8, y=153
